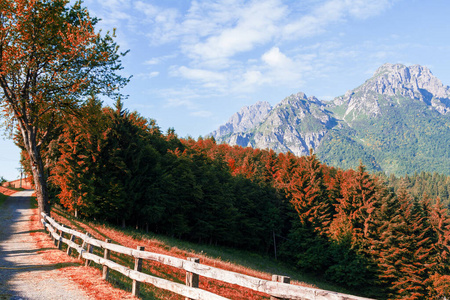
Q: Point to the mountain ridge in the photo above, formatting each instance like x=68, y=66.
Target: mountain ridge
x=373, y=122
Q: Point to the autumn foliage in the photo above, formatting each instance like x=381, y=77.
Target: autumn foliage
x=345, y=225
x=51, y=61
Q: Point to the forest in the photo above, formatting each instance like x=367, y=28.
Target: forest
x=386, y=238
x=404, y=139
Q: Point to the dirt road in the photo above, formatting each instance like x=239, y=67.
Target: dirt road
x=24, y=273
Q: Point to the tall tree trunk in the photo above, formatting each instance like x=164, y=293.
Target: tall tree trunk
x=37, y=167
x=40, y=186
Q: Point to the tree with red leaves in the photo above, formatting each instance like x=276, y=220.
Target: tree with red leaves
x=440, y=222
x=358, y=202
x=74, y=154
x=309, y=195
x=51, y=60
x=404, y=251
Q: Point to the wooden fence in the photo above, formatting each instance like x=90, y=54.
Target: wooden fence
x=278, y=288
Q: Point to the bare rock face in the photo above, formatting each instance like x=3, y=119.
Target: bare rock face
x=247, y=118
x=389, y=85
x=296, y=124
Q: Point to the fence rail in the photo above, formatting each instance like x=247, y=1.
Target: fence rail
x=277, y=288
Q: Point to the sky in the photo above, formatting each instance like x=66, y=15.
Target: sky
x=195, y=63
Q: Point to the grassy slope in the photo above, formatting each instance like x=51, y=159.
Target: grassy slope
x=2, y=198
x=226, y=258
x=4, y=193
x=405, y=138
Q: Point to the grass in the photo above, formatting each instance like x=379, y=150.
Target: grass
x=33, y=202
x=16, y=189
x=2, y=198
x=245, y=259
x=115, y=278
x=253, y=264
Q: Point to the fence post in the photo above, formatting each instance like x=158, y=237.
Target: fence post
x=69, y=249
x=82, y=247
x=45, y=220
x=106, y=256
x=90, y=249
x=60, y=238
x=55, y=240
x=137, y=267
x=49, y=232
x=283, y=279
x=192, y=279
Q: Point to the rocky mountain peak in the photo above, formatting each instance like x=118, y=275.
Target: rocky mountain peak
x=394, y=78
x=409, y=81
x=391, y=81
x=247, y=118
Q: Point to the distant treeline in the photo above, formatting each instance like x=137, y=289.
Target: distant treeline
x=429, y=184
x=346, y=225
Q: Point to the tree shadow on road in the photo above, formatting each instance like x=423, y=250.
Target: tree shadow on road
x=18, y=250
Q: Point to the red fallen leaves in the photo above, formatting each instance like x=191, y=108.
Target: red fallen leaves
x=6, y=191
x=89, y=279
x=174, y=274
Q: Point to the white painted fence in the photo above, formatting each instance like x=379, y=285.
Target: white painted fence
x=277, y=288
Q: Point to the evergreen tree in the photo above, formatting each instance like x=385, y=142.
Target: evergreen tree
x=72, y=158
x=440, y=222
x=405, y=248
x=309, y=196
x=360, y=196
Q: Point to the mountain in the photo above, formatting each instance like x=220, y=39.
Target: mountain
x=397, y=122
x=247, y=118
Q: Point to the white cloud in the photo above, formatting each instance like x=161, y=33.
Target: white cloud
x=253, y=77
x=112, y=12
x=177, y=102
x=206, y=77
x=148, y=75
x=363, y=9
x=256, y=24
x=276, y=59
x=330, y=12
x=201, y=114
x=149, y=10
x=235, y=46
x=152, y=61
x=158, y=60
x=184, y=99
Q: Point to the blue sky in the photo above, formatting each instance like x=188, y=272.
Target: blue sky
x=195, y=63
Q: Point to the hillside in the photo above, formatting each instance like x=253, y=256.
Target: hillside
x=397, y=122
x=116, y=167
x=247, y=263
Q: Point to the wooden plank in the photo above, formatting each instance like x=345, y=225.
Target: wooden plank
x=101, y=261
x=178, y=288
x=120, y=249
x=276, y=289
x=59, y=227
x=73, y=245
x=161, y=258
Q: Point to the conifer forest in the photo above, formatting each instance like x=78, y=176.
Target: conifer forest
x=386, y=238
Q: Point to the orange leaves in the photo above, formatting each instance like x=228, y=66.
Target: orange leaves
x=441, y=286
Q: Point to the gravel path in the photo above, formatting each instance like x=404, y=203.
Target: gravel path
x=24, y=273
